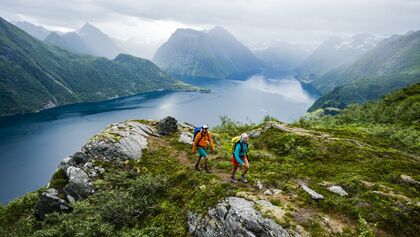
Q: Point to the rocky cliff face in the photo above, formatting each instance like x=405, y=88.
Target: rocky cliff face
x=117, y=143
x=236, y=216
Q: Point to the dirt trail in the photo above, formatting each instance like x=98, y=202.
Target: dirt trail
x=182, y=157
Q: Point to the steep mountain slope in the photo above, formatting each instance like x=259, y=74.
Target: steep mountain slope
x=282, y=55
x=393, y=64
x=38, y=32
x=355, y=174
x=215, y=53
x=87, y=40
x=336, y=52
x=34, y=76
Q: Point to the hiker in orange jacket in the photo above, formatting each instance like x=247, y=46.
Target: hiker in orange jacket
x=200, y=144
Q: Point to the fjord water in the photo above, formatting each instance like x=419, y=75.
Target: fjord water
x=31, y=146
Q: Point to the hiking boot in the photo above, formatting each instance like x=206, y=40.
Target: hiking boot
x=244, y=179
x=197, y=168
x=207, y=170
x=233, y=180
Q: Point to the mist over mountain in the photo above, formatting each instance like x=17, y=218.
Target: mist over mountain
x=393, y=64
x=336, y=52
x=215, y=53
x=282, y=55
x=87, y=40
x=38, y=32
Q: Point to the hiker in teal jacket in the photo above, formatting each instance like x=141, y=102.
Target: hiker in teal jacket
x=239, y=158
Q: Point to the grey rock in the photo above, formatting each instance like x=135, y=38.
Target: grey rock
x=409, y=179
x=254, y=133
x=186, y=138
x=67, y=162
x=100, y=169
x=314, y=195
x=50, y=202
x=272, y=192
x=71, y=199
x=186, y=126
x=167, y=126
x=88, y=165
x=79, y=158
x=234, y=217
x=338, y=190
x=79, y=185
x=119, y=142
x=259, y=185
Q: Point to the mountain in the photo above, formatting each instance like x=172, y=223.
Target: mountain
x=38, y=32
x=35, y=76
x=87, y=40
x=215, y=54
x=336, y=52
x=393, y=64
x=282, y=55
x=353, y=174
x=139, y=48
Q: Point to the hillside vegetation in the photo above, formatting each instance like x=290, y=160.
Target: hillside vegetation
x=371, y=151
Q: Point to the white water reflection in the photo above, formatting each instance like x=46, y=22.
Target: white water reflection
x=287, y=87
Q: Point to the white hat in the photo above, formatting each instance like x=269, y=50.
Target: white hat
x=205, y=126
x=243, y=136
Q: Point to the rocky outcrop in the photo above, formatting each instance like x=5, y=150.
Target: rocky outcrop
x=167, y=126
x=50, y=202
x=235, y=217
x=117, y=143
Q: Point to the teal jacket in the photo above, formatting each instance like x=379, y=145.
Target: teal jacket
x=240, y=153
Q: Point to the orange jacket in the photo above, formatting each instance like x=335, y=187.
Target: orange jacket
x=202, y=142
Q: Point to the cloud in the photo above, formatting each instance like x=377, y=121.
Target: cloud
x=249, y=20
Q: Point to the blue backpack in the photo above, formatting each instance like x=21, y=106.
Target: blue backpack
x=196, y=131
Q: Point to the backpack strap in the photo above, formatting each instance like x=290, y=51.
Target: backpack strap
x=201, y=137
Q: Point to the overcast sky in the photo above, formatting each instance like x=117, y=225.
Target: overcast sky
x=251, y=21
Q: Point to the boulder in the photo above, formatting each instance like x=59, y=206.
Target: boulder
x=167, y=126
x=186, y=138
x=234, y=217
x=314, y=195
x=409, y=179
x=338, y=190
x=119, y=142
x=79, y=185
x=50, y=202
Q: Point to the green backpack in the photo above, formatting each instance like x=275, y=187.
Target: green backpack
x=235, y=141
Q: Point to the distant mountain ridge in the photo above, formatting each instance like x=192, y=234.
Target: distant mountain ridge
x=336, y=52
x=392, y=64
x=87, y=40
x=38, y=32
x=35, y=76
x=215, y=53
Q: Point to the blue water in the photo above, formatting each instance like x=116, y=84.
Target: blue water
x=31, y=146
